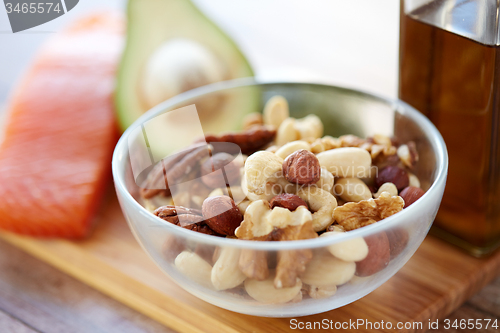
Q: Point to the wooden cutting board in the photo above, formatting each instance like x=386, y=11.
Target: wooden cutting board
x=436, y=280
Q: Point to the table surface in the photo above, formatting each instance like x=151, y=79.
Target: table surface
x=35, y=297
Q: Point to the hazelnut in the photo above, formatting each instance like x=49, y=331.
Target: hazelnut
x=224, y=161
x=378, y=255
x=398, y=239
x=411, y=194
x=288, y=201
x=302, y=167
x=393, y=174
x=221, y=214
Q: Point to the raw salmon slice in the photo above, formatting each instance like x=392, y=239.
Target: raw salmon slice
x=60, y=132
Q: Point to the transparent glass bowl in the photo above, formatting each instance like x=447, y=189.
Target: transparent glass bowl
x=343, y=111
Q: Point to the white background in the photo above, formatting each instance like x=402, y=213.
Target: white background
x=352, y=43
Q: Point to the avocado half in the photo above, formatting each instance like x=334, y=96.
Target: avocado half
x=172, y=47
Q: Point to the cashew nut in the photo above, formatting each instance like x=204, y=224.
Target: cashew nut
x=181, y=198
x=346, y=162
x=226, y=273
x=286, y=132
x=158, y=201
x=387, y=187
x=358, y=280
x=217, y=192
x=254, y=215
x=194, y=267
x=264, y=291
x=414, y=181
x=253, y=264
x=252, y=119
x=336, y=227
x=297, y=298
x=309, y=127
x=354, y=249
x=407, y=154
x=276, y=111
x=270, y=191
x=237, y=194
x=242, y=206
x=292, y=147
x=352, y=189
x=382, y=139
x=326, y=180
x=322, y=203
x=325, y=143
x=318, y=292
x=272, y=149
x=317, y=146
x=326, y=270
x=261, y=168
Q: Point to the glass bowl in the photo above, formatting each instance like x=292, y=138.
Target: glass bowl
x=343, y=111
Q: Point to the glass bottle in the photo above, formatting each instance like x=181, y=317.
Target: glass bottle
x=450, y=70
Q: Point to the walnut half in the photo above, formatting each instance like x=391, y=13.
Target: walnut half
x=354, y=215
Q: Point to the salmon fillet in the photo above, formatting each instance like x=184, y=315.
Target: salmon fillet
x=60, y=132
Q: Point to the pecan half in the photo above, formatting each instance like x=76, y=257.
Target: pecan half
x=156, y=178
x=173, y=167
x=187, y=218
x=171, y=214
x=228, y=163
x=250, y=140
x=185, y=166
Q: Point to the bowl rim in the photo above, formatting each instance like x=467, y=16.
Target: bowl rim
x=435, y=138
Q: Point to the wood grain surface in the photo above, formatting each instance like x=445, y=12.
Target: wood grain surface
x=436, y=281
x=36, y=297
x=27, y=283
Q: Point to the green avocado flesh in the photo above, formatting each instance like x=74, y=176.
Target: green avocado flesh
x=151, y=24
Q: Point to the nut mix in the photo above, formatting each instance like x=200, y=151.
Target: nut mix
x=293, y=184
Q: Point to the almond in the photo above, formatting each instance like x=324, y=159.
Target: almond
x=411, y=194
x=221, y=214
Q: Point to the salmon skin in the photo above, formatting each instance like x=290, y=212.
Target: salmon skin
x=60, y=132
